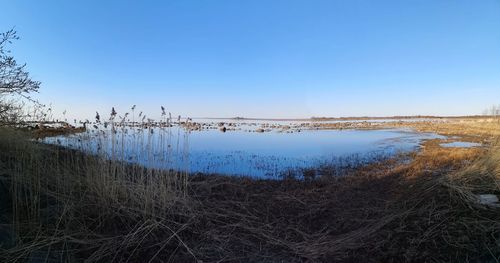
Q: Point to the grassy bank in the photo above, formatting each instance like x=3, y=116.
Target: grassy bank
x=481, y=129
x=62, y=205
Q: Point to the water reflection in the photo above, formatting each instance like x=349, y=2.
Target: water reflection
x=270, y=154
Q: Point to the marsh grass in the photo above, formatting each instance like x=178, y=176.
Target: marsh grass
x=61, y=196
x=70, y=206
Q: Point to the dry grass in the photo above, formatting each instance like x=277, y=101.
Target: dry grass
x=474, y=129
x=433, y=159
x=62, y=197
x=68, y=206
x=484, y=129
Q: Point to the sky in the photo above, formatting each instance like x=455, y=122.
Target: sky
x=261, y=58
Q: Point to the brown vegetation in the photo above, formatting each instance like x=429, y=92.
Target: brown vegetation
x=72, y=206
x=41, y=131
x=475, y=128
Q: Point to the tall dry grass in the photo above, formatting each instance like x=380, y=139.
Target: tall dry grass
x=63, y=197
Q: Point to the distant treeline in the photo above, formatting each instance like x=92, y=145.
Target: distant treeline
x=493, y=110
x=396, y=117
x=314, y=118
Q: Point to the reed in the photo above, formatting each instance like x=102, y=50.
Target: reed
x=62, y=191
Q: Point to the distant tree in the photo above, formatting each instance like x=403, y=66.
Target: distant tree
x=15, y=81
x=493, y=111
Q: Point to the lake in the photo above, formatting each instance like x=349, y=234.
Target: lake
x=242, y=153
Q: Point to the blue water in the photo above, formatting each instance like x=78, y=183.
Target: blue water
x=460, y=144
x=268, y=154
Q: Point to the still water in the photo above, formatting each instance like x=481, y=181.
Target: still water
x=267, y=154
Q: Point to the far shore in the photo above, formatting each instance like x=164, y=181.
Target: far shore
x=352, y=118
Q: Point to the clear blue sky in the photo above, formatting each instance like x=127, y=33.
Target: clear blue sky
x=261, y=58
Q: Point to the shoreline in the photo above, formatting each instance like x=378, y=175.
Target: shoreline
x=375, y=212
x=351, y=118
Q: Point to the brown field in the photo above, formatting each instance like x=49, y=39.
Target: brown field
x=485, y=128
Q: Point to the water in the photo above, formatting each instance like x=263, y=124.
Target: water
x=291, y=122
x=460, y=144
x=267, y=154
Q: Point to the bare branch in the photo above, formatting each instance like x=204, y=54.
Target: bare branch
x=14, y=78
